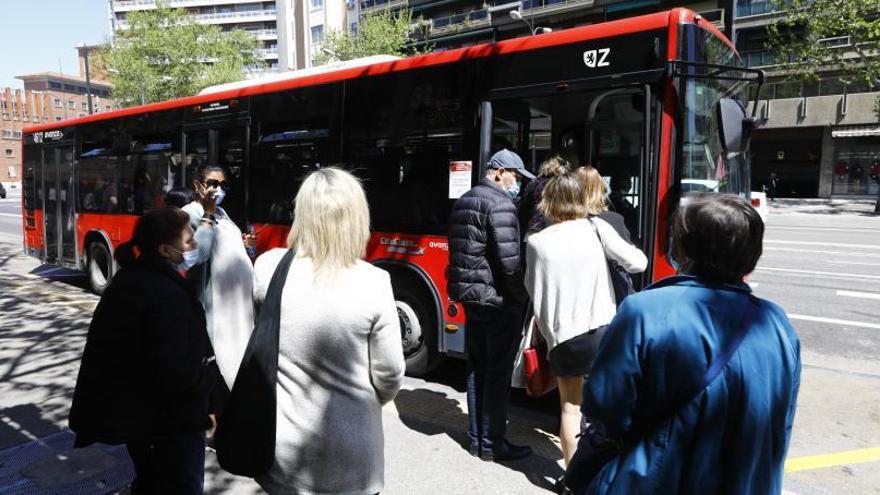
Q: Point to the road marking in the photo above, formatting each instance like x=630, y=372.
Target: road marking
x=813, y=272
x=822, y=229
x=10, y=215
x=834, y=321
x=812, y=251
x=829, y=460
x=863, y=295
x=832, y=244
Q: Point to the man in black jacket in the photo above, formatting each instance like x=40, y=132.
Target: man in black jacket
x=485, y=274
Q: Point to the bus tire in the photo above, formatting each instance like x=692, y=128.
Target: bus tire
x=418, y=331
x=100, y=267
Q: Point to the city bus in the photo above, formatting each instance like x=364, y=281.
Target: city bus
x=648, y=100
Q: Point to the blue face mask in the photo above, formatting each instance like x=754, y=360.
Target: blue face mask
x=513, y=192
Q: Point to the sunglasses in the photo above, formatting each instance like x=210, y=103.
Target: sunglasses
x=213, y=183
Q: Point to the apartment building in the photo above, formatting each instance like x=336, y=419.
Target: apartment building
x=822, y=138
x=290, y=31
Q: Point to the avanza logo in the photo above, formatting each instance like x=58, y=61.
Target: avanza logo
x=597, y=58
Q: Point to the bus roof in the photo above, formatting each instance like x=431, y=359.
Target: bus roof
x=662, y=20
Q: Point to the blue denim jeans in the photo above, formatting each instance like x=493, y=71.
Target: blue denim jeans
x=493, y=337
x=174, y=464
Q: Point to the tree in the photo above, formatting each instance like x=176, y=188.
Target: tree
x=382, y=33
x=165, y=53
x=803, y=40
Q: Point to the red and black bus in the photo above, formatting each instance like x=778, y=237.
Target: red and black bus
x=640, y=99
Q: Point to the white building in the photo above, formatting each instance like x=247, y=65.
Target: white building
x=291, y=31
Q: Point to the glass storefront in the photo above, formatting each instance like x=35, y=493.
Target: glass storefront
x=855, y=159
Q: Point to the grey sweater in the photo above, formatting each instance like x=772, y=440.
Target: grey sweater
x=340, y=359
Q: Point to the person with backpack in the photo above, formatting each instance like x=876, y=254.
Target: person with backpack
x=570, y=286
x=696, y=385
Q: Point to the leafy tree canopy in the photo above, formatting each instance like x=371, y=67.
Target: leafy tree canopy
x=165, y=53
x=382, y=33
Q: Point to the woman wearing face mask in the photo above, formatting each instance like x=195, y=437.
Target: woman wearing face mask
x=222, y=271
x=145, y=375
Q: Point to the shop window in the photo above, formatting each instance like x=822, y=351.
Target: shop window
x=854, y=161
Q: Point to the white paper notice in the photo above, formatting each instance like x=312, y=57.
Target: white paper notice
x=459, y=178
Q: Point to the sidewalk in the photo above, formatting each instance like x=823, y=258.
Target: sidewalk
x=811, y=206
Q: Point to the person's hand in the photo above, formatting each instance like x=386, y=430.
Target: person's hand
x=250, y=240
x=205, y=196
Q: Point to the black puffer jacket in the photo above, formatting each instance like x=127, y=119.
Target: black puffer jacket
x=484, y=250
x=144, y=372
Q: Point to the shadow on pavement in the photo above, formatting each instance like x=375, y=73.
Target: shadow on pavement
x=434, y=413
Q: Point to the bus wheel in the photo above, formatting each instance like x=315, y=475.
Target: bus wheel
x=418, y=334
x=99, y=267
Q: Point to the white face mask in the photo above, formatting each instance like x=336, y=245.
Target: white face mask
x=189, y=258
x=219, y=194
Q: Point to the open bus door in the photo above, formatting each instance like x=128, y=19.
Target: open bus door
x=56, y=182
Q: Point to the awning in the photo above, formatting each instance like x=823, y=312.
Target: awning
x=856, y=131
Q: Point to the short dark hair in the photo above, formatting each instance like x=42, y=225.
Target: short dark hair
x=718, y=237
x=154, y=228
x=178, y=197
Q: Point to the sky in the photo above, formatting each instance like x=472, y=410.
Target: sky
x=35, y=34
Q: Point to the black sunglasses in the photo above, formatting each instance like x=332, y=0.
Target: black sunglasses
x=216, y=183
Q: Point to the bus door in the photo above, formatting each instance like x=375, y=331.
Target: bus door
x=59, y=208
x=610, y=129
x=221, y=143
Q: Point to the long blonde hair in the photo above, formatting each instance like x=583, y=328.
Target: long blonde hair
x=331, y=222
x=594, y=189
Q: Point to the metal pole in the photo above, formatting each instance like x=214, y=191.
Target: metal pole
x=88, y=78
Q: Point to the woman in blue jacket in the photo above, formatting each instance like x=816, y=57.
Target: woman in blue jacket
x=646, y=387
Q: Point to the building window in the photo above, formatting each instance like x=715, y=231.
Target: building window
x=317, y=4
x=11, y=172
x=353, y=28
x=108, y=107
x=16, y=134
x=58, y=103
x=317, y=34
x=7, y=134
x=8, y=152
x=57, y=118
x=84, y=106
x=71, y=104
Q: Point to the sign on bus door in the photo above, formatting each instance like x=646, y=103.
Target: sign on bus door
x=59, y=205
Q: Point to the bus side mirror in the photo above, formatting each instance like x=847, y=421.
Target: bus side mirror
x=734, y=125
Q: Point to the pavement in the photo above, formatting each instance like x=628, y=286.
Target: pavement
x=824, y=269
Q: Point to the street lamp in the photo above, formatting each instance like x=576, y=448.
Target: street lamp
x=85, y=52
x=517, y=15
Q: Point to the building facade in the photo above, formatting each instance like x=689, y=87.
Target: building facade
x=46, y=97
x=290, y=31
x=821, y=139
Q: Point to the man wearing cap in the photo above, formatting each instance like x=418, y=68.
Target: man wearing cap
x=485, y=275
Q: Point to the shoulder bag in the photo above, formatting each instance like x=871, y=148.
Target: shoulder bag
x=621, y=282
x=595, y=449
x=245, y=437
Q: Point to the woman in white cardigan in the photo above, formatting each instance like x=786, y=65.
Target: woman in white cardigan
x=340, y=355
x=568, y=280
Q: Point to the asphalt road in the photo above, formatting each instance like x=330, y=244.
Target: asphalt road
x=824, y=270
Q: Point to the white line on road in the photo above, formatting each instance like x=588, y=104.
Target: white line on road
x=821, y=229
x=833, y=244
x=812, y=272
x=10, y=215
x=835, y=321
x=862, y=295
x=838, y=253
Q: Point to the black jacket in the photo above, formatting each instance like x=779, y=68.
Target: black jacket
x=484, y=250
x=143, y=374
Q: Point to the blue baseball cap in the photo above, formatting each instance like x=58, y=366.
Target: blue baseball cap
x=509, y=160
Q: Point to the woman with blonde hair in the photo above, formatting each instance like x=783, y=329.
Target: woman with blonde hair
x=340, y=355
x=595, y=200
x=570, y=286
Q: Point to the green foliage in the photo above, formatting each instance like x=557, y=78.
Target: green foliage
x=381, y=33
x=796, y=37
x=165, y=53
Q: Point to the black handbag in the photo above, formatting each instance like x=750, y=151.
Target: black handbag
x=621, y=281
x=245, y=436
x=595, y=449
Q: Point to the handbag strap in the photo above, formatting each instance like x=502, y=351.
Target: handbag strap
x=272, y=300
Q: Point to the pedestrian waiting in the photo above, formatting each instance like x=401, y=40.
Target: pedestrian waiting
x=339, y=344
x=146, y=370
x=695, y=385
x=568, y=279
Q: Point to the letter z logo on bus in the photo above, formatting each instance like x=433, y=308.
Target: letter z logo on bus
x=597, y=58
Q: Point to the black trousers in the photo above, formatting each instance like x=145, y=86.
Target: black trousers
x=173, y=465
x=493, y=337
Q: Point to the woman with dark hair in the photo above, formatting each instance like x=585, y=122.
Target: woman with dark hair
x=178, y=197
x=222, y=271
x=697, y=379
x=144, y=379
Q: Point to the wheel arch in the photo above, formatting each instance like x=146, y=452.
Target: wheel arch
x=401, y=271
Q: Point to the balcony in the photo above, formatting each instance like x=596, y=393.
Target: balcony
x=268, y=52
x=368, y=6
x=264, y=34
x=223, y=17
x=129, y=5
x=458, y=22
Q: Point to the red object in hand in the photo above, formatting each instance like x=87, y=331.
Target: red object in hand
x=539, y=378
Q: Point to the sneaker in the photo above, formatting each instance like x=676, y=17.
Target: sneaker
x=505, y=452
x=475, y=449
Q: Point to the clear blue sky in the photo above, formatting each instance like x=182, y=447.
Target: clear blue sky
x=35, y=34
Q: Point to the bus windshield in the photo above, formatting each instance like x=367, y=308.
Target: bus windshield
x=706, y=167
